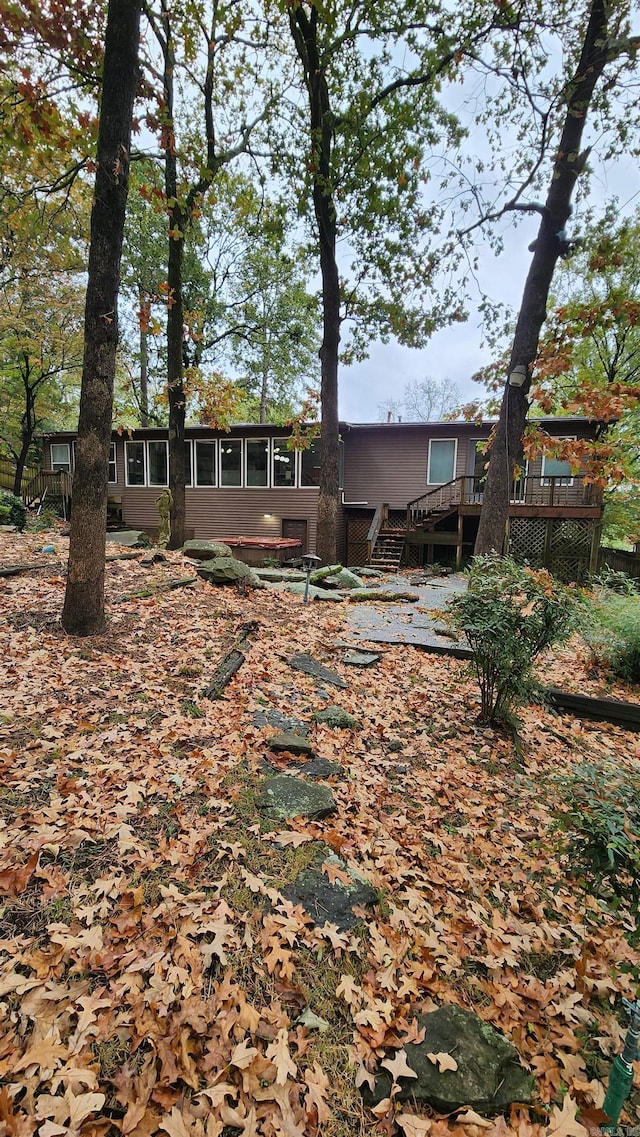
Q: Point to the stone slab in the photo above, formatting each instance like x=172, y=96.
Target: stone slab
x=310, y=666
x=328, y=902
x=284, y=797
x=291, y=742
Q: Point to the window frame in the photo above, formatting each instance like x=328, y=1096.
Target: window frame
x=143, y=483
x=266, y=483
x=113, y=462
x=454, y=464
x=59, y=466
x=213, y=443
x=157, y=442
x=272, y=468
x=232, y=485
x=559, y=479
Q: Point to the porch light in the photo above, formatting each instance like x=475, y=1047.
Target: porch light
x=268, y=516
x=518, y=376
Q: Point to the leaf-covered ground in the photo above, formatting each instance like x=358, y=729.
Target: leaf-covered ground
x=152, y=978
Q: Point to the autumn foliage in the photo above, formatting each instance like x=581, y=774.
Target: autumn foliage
x=153, y=979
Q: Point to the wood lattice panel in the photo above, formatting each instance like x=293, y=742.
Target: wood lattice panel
x=527, y=540
x=357, y=530
x=570, y=548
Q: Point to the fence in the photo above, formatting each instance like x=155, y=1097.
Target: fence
x=8, y=474
x=621, y=561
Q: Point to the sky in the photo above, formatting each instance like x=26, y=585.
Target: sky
x=457, y=352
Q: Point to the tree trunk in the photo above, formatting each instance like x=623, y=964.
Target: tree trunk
x=83, y=612
x=304, y=29
x=176, y=391
x=145, y=313
x=506, y=449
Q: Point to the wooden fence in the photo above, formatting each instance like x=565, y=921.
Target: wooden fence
x=620, y=560
x=8, y=473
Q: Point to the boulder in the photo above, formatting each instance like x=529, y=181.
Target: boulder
x=489, y=1075
x=361, y=658
x=226, y=570
x=275, y=718
x=274, y=575
x=331, y=902
x=284, y=797
x=336, y=717
x=201, y=550
x=343, y=579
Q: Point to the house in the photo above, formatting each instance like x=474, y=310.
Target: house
x=411, y=492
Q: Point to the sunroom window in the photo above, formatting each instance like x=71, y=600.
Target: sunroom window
x=206, y=464
x=113, y=472
x=158, y=464
x=284, y=464
x=134, y=463
x=257, y=461
x=230, y=462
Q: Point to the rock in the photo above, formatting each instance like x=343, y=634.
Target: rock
x=320, y=574
x=275, y=718
x=325, y=901
x=489, y=1076
x=365, y=571
x=395, y=745
x=298, y=588
x=343, y=579
x=319, y=768
x=201, y=550
x=293, y=743
x=154, y=556
x=284, y=797
x=336, y=717
x=311, y=666
x=274, y=576
x=132, y=538
x=361, y=658
x=226, y=570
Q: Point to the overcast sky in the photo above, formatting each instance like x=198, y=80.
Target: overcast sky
x=455, y=353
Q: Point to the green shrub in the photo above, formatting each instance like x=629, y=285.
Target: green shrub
x=602, y=827
x=14, y=509
x=509, y=615
x=615, y=581
x=613, y=634
x=45, y=519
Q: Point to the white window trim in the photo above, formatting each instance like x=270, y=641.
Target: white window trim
x=66, y=462
x=455, y=460
x=155, y=442
x=241, y=483
x=188, y=443
x=112, y=449
x=545, y=479
x=194, y=462
x=135, y=485
x=245, y=471
x=296, y=472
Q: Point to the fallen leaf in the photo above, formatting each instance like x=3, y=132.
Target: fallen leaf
x=443, y=1061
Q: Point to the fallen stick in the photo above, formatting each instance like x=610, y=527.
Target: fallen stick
x=154, y=589
x=15, y=570
x=230, y=663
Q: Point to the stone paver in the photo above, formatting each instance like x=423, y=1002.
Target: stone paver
x=408, y=624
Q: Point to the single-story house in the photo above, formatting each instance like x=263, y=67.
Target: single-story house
x=411, y=492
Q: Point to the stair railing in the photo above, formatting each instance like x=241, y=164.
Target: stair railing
x=380, y=518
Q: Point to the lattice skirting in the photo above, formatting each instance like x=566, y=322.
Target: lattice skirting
x=561, y=544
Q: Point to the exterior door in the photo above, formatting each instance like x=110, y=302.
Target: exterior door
x=296, y=531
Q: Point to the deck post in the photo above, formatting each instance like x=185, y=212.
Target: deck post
x=459, y=545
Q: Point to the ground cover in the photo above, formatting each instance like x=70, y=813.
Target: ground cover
x=153, y=979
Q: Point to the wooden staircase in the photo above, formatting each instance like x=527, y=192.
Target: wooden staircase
x=388, y=550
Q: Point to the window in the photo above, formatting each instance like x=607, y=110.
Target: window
x=284, y=464
x=158, y=463
x=134, y=463
x=61, y=456
x=310, y=464
x=231, y=462
x=442, y=461
x=188, y=479
x=113, y=472
x=257, y=462
x=206, y=464
x=554, y=468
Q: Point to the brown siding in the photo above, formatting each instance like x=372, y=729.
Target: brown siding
x=390, y=463
x=228, y=512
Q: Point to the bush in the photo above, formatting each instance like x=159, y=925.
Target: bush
x=613, y=634
x=12, y=510
x=615, y=581
x=509, y=615
x=603, y=826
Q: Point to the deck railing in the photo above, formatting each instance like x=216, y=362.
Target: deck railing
x=527, y=490
x=48, y=483
x=8, y=474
